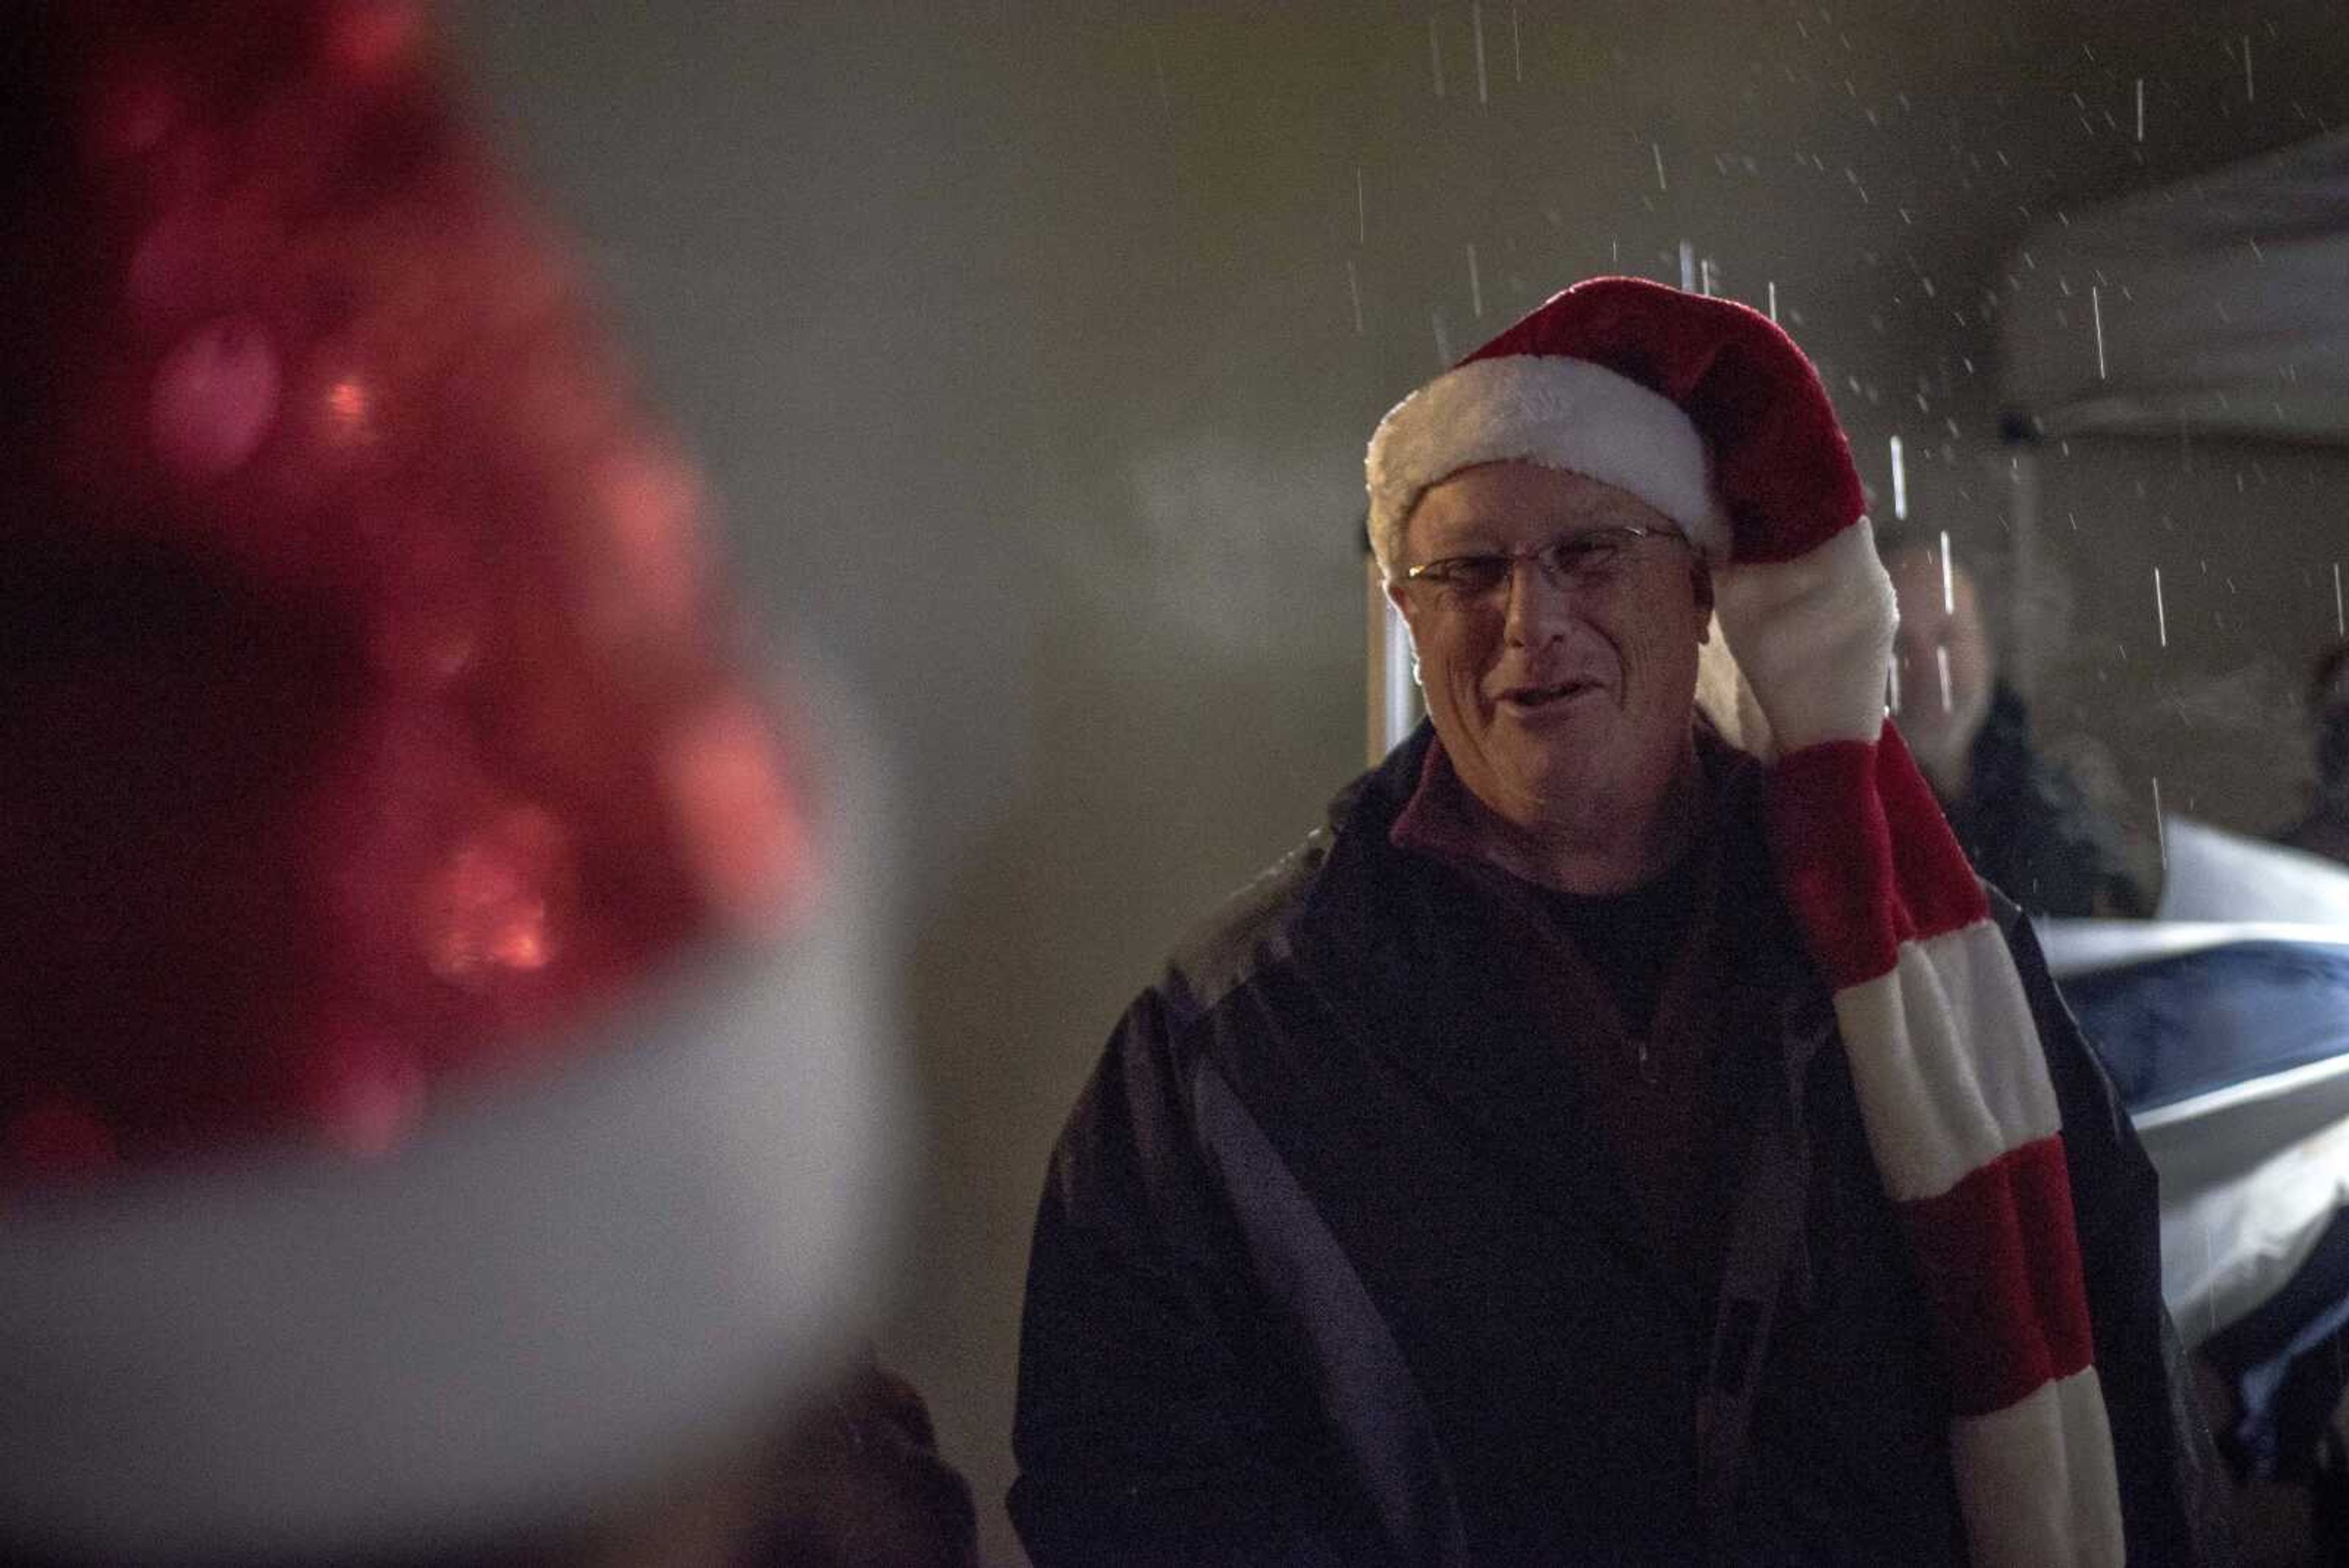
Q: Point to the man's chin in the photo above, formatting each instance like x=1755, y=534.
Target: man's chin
x=1542, y=787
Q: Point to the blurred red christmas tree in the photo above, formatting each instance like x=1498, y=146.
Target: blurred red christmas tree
x=368, y=710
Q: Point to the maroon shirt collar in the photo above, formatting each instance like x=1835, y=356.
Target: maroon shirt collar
x=1434, y=821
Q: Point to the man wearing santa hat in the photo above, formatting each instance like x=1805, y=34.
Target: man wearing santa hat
x=1628, y=1131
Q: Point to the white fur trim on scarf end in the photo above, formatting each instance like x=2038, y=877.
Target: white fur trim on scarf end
x=2037, y=1483
x=1549, y=409
x=1814, y=636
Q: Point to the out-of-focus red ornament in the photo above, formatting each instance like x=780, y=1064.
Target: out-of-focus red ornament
x=373, y=37
x=744, y=837
x=362, y=1088
x=58, y=1136
x=215, y=394
x=129, y=114
x=370, y=715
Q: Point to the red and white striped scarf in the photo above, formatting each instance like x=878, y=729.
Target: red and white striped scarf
x=1952, y=1081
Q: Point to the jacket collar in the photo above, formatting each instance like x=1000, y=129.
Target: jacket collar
x=1401, y=947
x=1405, y=947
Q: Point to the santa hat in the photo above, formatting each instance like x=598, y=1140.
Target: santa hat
x=1707, y=412
x=434, y=1083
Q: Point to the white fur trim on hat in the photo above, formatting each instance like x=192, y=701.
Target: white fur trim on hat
x=1549, y=409
x=555, y=1289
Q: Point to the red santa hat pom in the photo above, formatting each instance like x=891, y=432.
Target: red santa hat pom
x=430, y=1082
x=1706, y=411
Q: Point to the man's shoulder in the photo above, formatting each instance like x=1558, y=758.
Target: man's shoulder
x=1250, y=933
x=1251, y=942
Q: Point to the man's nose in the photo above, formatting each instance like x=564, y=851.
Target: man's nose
x=1536, y=606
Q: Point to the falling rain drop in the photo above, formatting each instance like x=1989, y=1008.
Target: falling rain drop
x=1362, y=211
x=2160, y=611
x=2140, y=108
x=1516, y=43
x=1708, y=281
x=1354, y=289
x=1476, y=26
x=2096, y=311
x=1948, y=577
x=2209, y=1257
x=2250, y=94
x=1942, y=665
x=2339, y=626
x=1475, y=286
x=2161, y=837
x=1688, y=266
x=1900, y=482
x=1656, y=148
x=1435, y=56
x=1772, y=287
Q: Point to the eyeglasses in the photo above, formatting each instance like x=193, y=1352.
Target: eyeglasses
x=1587, y=560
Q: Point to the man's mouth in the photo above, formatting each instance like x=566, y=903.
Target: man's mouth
x=1533, y=699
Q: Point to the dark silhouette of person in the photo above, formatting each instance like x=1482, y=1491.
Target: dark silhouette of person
x=2024, y=823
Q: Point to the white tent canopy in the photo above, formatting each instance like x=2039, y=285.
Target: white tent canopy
x=2219, y=305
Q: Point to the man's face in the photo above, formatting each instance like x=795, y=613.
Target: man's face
x=1938, y=716
x=1553, y=696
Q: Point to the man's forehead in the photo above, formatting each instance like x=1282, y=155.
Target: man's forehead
x=1506, y=498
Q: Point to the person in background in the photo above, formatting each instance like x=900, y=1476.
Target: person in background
x=2023, y=821
x=2325, y=829
x=1619, y=1135
x=441, y=1115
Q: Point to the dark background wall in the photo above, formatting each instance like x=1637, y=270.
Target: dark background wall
x=1034, y=350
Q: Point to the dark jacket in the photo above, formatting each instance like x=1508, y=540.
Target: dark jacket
x=2031, y=832
x=1327, y=1268
x=2325, y=829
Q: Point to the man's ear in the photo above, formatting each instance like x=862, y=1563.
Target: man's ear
x=1402, y=602
x=1701, y=585
x=1392, y=588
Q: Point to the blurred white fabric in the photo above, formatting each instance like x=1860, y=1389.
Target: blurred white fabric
x=2213, y=875
x=2229, y=1246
